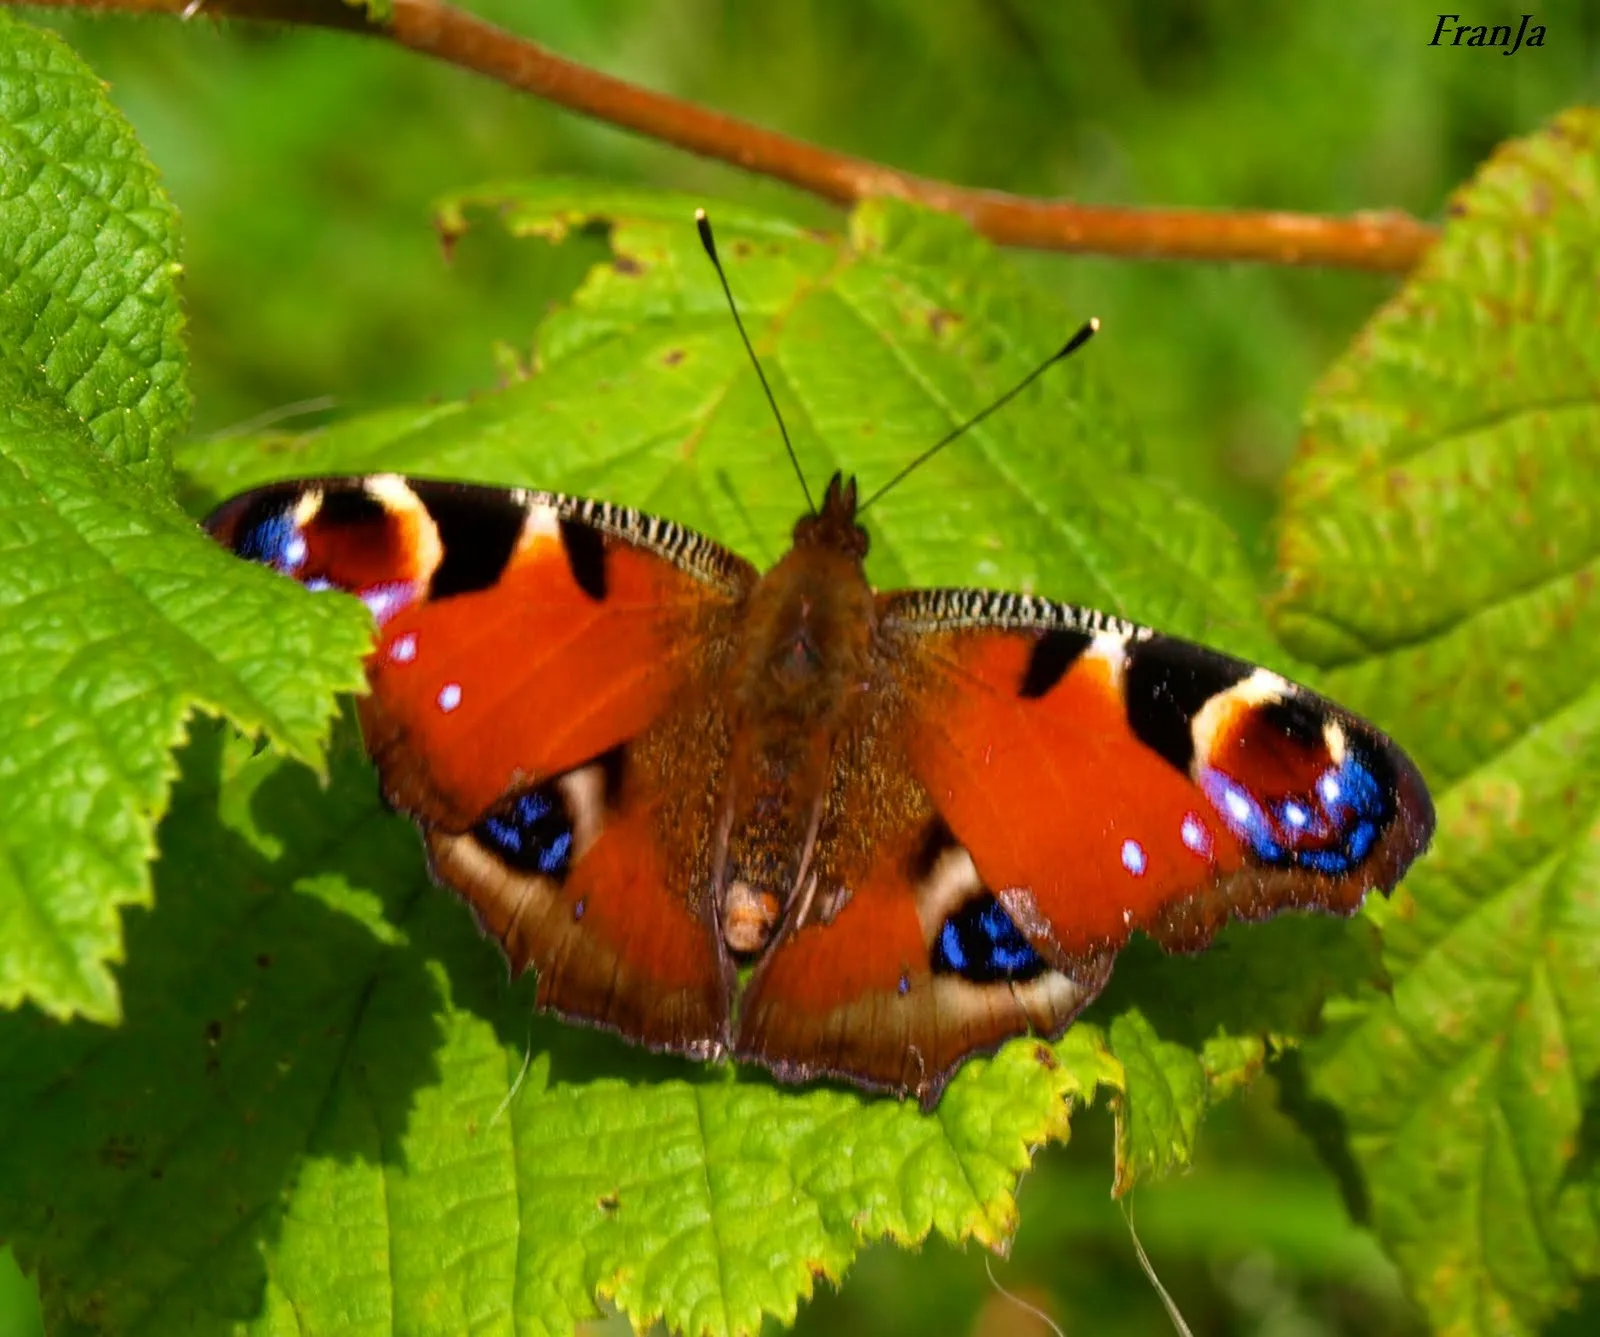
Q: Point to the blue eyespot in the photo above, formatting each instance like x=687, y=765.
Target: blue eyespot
x=1358, y=844
x=275, y=541
x=1243, y=815
x=1330, y=830
x=532, y=833
x=982, y=943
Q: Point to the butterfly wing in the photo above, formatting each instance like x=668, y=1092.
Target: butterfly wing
x=1127, y=779
x=537, y=694
x=1061, y=778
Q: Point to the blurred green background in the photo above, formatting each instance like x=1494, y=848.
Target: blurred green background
x=304, y=164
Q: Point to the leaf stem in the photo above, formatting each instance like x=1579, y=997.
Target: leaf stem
x=1383, y=240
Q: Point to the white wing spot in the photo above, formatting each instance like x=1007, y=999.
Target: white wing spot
x=392, y=492
x=306, y=508
x=1133, y=858
x=449, y=696
x=403, y=649
x=384, y=601
x=1111, y=647
x=1195, y=836
x=542, y=522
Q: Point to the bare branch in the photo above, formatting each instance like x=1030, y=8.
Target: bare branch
x=1387, y=240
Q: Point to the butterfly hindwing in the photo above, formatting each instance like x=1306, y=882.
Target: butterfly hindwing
x=572, y=877
x=914, y=967
x=526, y=706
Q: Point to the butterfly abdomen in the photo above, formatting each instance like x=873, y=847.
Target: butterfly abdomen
x=807, y=639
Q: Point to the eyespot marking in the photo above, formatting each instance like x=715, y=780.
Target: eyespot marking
x=1242, y=814
x=981, y=943
x=273, y=540
x=1329, y=830
x=532, y=833
x=944, y=876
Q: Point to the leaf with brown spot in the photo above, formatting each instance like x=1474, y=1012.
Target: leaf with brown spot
x=1461, y=608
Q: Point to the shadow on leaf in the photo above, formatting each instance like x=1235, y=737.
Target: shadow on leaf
x=1256, y=979
x=273, y=1018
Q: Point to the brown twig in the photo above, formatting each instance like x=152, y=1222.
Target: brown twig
x=1379, y=241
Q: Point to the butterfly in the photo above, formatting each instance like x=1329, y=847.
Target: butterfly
x=782, y=816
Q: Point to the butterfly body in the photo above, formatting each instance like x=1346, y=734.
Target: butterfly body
x=804, y=669
x=916, y=822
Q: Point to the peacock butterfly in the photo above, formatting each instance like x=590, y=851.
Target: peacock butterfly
x=922, y=821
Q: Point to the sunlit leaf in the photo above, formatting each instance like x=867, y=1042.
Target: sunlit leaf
x=1442, y=543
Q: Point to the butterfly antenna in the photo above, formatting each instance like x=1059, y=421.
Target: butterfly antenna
x=710, y=243
x=1072, y=345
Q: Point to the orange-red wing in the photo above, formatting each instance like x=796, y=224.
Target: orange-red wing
x=1104, y=778
x=539, y=674
x=520, y=634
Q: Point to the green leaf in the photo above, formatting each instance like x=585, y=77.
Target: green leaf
x=1441, y=543
x=88, y=255
x=1192, y=1030
x=327, y=1102
x=117, y=617
x=1156, y=1132
x=703, y=1196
